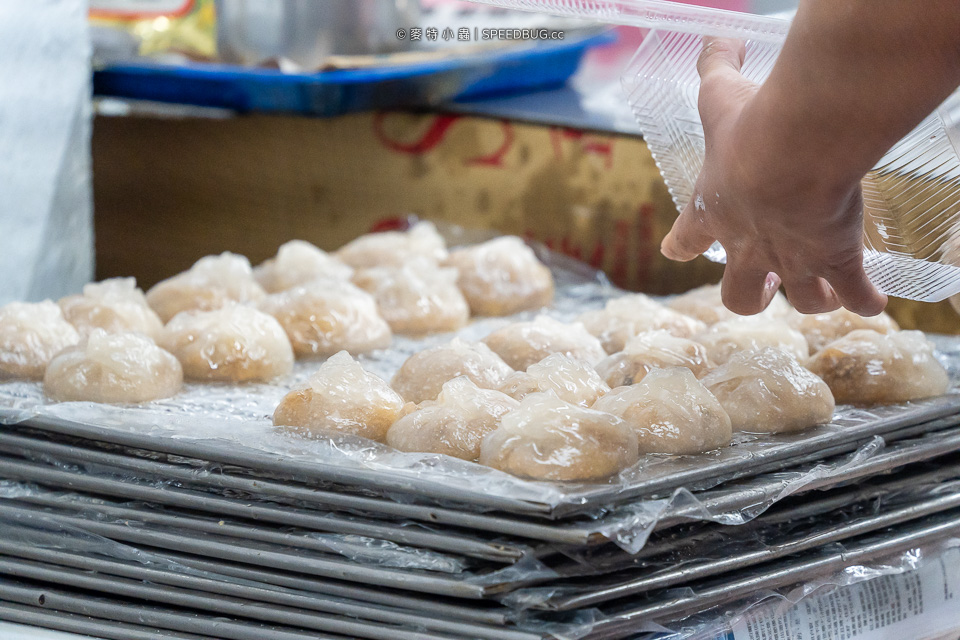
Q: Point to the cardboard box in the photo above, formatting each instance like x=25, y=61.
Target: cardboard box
x=170, y=190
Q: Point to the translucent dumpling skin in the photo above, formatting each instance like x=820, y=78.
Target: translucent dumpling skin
x=233, y=344
x=653, y=350
x=750, y=333
x=31, y=333
x=298, y=262
x=522, y=344
x=865, y=367
x=115, y=305
x=768, y=391
x=820, y=329
x=211, y=283
x=423, y=374
x=394, y=248
x=341, y=398
x=571, y=380
x=455, y=424
x=706, y=304
x=327, y=316
x=113, y=368
x=670, y=412
x=549, y=439
x=628, y=316
x=502, y=277
x=417, y=298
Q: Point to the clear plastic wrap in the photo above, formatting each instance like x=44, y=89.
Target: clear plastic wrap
x=423, y=374
x=31, y=333
x=116, y=368
x=501, y=277
x=455, y=424
x=522, y=344
x=653, y=350
x=298, y=262
x=327, y=316
x=768, y=391
x=416, y=298
x=211, y=283
x=549, y=439
x=750, y=333
x=630, y=315
x=234, y=344
x=866, y=367
x=571, y=380
x=670, y=412
x=341, y=398
x=394, y=248
x=116, y=305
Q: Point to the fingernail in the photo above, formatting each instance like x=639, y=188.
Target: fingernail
x=665, y=249
x=772, y=282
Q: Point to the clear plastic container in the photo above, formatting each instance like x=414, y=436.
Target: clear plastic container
x=911, y=197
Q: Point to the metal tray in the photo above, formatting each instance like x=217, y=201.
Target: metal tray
x=86, y=625
x=70, y=549
x=18, y=469
x=200, y=473
x=273, y=607
x=610, y=624
x=645, y=580
x=895, y=488
x=762, y=455
x=259, y=554
x=45, y=599
x=485, y=582
x=730, y=498
x=701, y=596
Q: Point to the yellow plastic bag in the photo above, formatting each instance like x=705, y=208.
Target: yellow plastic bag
x=186, y=27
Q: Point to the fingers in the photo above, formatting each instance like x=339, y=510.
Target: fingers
x=811, y=295
x=854, y=290
x=688, y=238
x=747, y=290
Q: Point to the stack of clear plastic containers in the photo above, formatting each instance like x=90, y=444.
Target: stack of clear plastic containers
x=911, y=197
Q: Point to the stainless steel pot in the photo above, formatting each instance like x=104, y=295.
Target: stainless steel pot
x=306, y=32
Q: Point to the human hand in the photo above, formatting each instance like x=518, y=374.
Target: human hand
x=779, y=216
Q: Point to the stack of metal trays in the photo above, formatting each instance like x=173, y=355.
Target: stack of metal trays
x=121, y=534
x=194, y=518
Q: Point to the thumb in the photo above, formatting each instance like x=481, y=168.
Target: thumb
x=721, y=85
x=720, y=55
x=688, y=238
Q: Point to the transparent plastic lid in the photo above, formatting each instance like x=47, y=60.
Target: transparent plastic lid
x=911, y=197
x=659, y=14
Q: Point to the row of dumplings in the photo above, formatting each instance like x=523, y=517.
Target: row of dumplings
x=582, y=401
x=222, y=320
